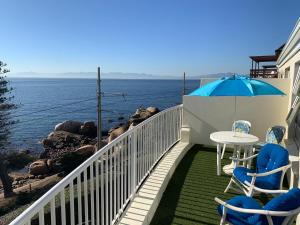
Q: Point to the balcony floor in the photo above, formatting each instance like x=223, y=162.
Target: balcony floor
x=189, y=197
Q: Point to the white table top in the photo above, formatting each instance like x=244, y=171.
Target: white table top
x=235, y=138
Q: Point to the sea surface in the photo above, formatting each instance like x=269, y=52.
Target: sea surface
x=44, y=102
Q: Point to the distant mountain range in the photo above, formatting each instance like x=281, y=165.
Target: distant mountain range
x=114, y=75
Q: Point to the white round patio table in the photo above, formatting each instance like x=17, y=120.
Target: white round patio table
x=236, y=139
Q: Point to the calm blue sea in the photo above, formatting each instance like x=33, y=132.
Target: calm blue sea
x=45, y=102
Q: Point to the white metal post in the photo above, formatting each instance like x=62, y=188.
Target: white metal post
x=134, y=161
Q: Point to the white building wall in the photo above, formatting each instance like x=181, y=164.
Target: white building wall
x=292, y=65
x=205, y=115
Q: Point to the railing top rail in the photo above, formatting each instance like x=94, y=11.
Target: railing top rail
x=56, y=189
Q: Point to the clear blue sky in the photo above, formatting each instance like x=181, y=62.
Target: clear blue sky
x=143, y=36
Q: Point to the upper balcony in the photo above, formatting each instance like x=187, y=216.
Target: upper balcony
x=261, y=67
x=265, y=71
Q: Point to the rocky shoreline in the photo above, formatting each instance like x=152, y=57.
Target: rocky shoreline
x=71, y=139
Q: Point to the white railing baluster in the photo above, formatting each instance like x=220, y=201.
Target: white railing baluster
x=134, y=162
x=139, y=154
x=92, y=203
x=111, y=185
x=145, y=149
x=106, y=187
x=117, y=150
x=126, y=174
x=97, y=193
x=108, y=180
x=102, y=190
x=41, y=217
x=86, y=203
x=72, y=213
x=79, y=199
x=63, y=207
x=122, y=172
x=52, y=211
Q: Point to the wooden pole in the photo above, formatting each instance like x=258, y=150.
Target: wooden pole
x=99, y=127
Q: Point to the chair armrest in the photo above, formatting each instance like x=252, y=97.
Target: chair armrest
x=245, y=159
x=257, y=211
x=267, y=191
x=270, y=172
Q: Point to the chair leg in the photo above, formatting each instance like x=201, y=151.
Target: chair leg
x=223, y=151
x=250, y=191
x=229, y=185
x=222, y=222
x=223, y=218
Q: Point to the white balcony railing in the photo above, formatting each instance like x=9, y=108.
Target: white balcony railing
x=98, y=190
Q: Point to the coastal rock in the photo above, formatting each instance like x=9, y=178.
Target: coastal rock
x=152, y=110
x=40, y=177
x=48, y=143
x=86, y=150
x=117, y=132
x=61, y=139
x=38, y=167
x=139, y=116
x=50, y=164
x=69, y=126
x=88, y=129
x=142, y=114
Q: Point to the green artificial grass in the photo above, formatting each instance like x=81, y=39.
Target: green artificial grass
x=189, y=196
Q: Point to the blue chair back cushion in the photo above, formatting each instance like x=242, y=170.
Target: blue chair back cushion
x=284, y=202
x=271, y=157
x=275, y=134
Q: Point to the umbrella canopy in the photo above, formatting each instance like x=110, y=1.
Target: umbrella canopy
x=237, y=86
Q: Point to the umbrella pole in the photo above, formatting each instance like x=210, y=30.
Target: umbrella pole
x=234, y=118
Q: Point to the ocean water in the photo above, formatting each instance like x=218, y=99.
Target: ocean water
x=43, y=103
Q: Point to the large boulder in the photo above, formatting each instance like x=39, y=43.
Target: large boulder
x=152, y=110
x=61, y=139
x=139, y=116
x=88, y=129
x=39, y=167
x=60, y=142
x=69, y=126
x=86, y=150
x=117, y=132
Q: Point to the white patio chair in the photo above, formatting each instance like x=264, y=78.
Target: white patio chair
x=271, y=166
x=243, y=210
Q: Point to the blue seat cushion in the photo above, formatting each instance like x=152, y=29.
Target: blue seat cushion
x=240, y=173
x=238, y=218
x=284, y=202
